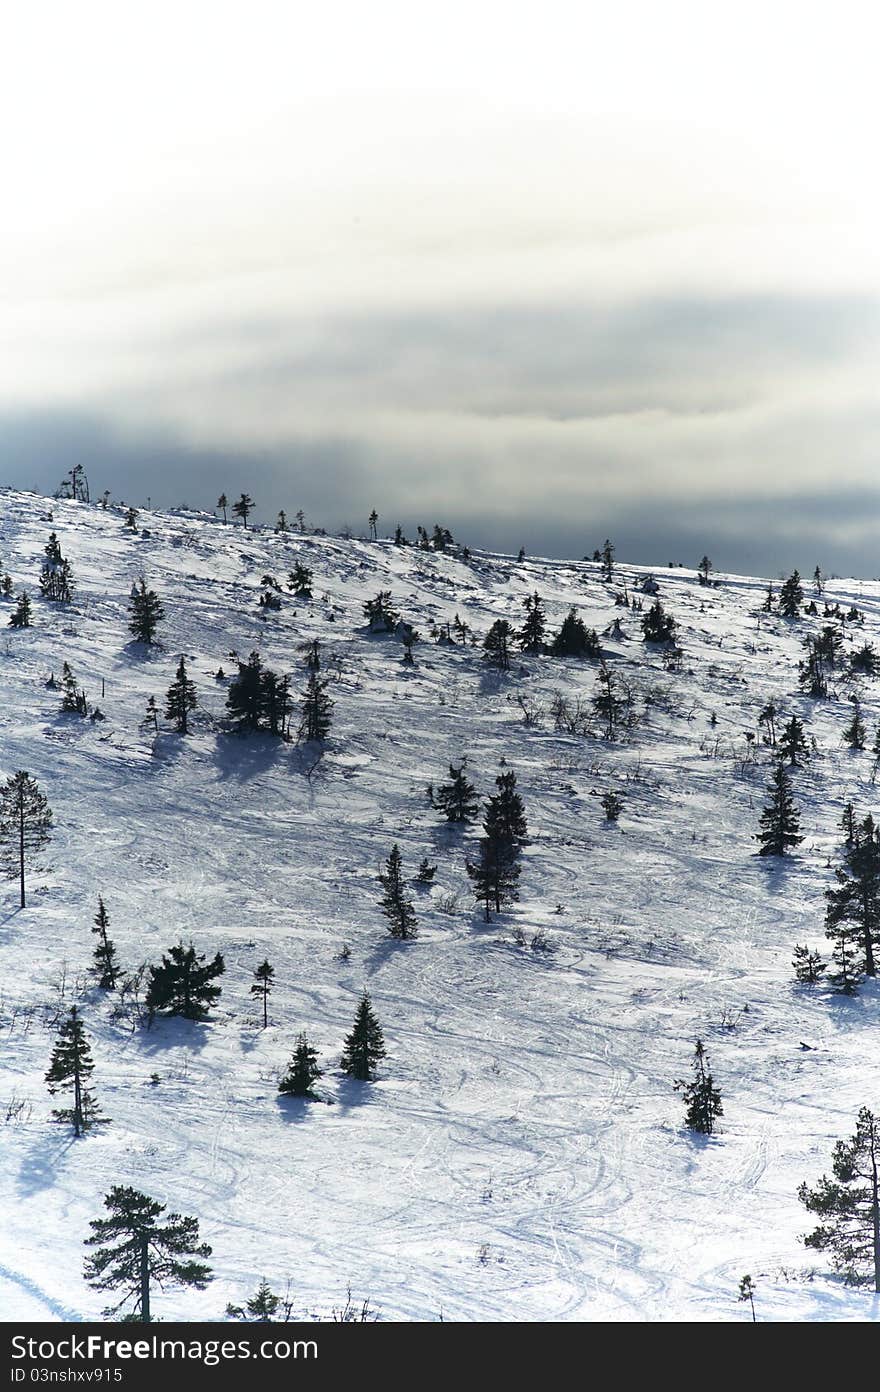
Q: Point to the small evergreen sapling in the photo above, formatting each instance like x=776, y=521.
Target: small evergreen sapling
x=426, y=872
x=70, y=1067
x=457, y=799
x=809, y=967
x=396, y=904
x=747, y=1293
x=133, y=1250
x=21, y=617
x=302, y=1071
x=300, y=581
x=365, y=1046
x=262, y=985
x=496, y=645
x=702, y=1098
x=791, y=596
x=56, y=576
x=574, y=639
x=792, y=746
x=316, y=710
x=855, y=733
x=106, y=965
x=531, y=635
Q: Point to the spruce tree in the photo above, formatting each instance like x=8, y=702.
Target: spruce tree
x=396, y=903
x=315, y=712
x=702, y=1098
x=849, y=1206
x=25, y=823
x=768, y=717
x=244, y=699
x=657, y=625
x=70, y=1067
x=300, y=581
x=495, y=874
x=505, y=814
x=574, y=639
x=262, y=1307
x=496, y=645
x=302, y=1071
x=243, y=508
x=365, y=1046
x=180, y=699
x=380, y=613
x=223, y=504
x=704, y=570
x=264, y=976
x=21, y=617
x=864, y=660
x=610, y=703
x=133, y=1250
x=531, y=635
x=457, y=799
x=151, y=716
x=791, y=596
x=56, y=576
x=182, y=986
x=607, y=561
x=426, y=872
x=73, y=700
x=106, y=965
x=146, y=613
x=855, y=733
x=780, y=822
x=792, y=747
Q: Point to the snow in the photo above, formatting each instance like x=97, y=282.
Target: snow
x=522, y=1155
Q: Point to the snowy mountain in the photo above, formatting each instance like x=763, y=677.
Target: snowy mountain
x=522, y=1154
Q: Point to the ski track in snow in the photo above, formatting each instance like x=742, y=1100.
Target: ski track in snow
x=522, y=1156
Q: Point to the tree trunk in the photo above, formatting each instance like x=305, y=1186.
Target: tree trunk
x=145, y=1279
x=875, y=1211
x=77, y=1098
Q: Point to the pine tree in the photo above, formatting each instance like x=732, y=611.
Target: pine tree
x=374, y=522
x=780, y=823
x=311, y=652
x=223, y=504
x=243, y=508
x=701, y=1096
x=281, y=524
x=704, y=570
x=21, y=617
x=531, y=635
x=106, y=965
x=70, y=1067
x=299, y=581
x=574, y=639
x=302, y=1071
x=365, y=1046
x=818, y=581
x=767, y=606
x=792, y=747
x=808, y=966
x=426, y=872
x=180, y=699
x=264, y=976
x=852, y=916
x=457, y=799
x=143, y=1251
x=855, y=733
x=25, y=822
x=146, y=613
x=380, y=613
x=864, y=660
x=657, y=625
x=496, y=645
x=747, y=1293
x=791, y=596
x=849, y=1206
x=56, y=576
x=315, y=713
x=181, y=986
x=396, y=904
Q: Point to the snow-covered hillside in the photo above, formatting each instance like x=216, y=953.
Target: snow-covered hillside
x=522, y=1155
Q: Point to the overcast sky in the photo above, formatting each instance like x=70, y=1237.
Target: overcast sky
x=543, y=273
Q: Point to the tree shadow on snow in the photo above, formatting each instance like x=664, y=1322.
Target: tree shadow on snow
x=243, y=757
x=298, y=1109
x=386, y=949
x=39, y=1168
x=353, y=1093
x=173, y=1032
